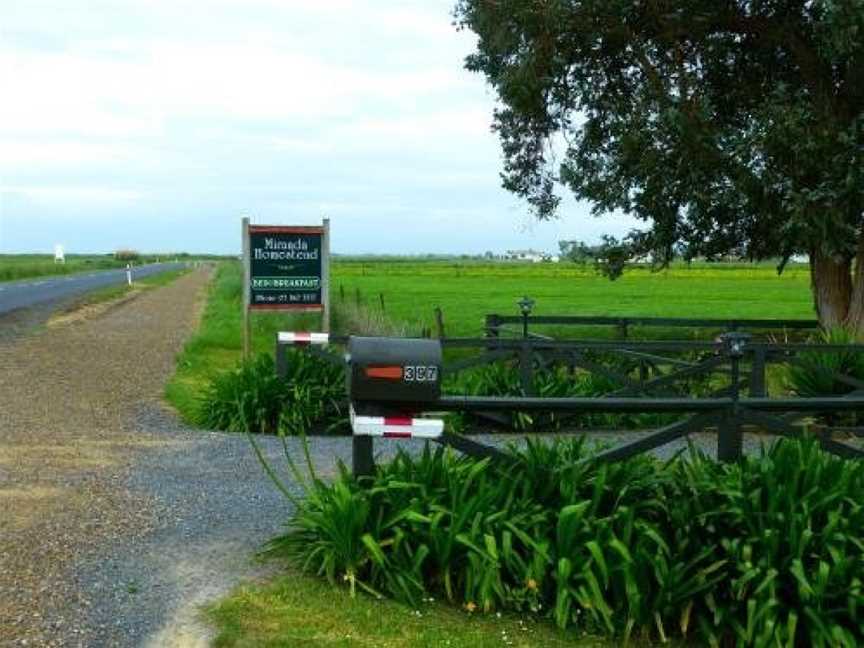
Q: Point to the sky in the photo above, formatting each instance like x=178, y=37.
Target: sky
x=157, y=124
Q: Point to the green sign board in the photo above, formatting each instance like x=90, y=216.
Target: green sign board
x=286, y=267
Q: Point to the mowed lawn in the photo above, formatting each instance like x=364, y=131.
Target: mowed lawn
x=466, y=292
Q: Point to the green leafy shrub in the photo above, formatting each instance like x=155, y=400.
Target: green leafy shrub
x=251, y=398
x=765, y=552
x=816, y=375
x=554, y=381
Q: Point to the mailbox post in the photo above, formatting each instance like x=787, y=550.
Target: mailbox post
x=391, y=381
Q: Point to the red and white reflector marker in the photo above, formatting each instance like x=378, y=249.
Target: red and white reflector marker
x=396, y=427
x=302, y=338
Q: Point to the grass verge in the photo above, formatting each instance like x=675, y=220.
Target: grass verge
x=299, y=610
x=217, y=345
x=24, y=266
x=112, y=293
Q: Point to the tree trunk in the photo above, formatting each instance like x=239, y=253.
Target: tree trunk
x=855, y=314
x=831, y=279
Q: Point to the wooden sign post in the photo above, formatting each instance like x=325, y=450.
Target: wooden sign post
x=285, y=268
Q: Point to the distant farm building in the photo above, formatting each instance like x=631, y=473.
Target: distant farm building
x=531, y=255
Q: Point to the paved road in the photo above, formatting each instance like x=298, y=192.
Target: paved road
x=40, y=290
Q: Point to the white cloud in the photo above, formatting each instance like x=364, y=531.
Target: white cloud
x=186, y=111
x=46, y=196
x=63, y=154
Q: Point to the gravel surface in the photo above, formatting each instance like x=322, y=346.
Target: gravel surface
x=215, y=508
x=65, y=447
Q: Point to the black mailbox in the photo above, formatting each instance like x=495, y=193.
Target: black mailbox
x=394, y=373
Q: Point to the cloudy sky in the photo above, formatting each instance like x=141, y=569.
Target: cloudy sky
x=157, y=124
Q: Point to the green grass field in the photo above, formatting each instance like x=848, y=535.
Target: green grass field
x=23, y=266
x=466, y=292
x=110, y=293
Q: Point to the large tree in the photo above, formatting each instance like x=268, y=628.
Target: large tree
x=731, y=127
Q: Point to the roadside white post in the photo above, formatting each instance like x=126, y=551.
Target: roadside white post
x=128, y=274
x=59, y=254
x=247, y=281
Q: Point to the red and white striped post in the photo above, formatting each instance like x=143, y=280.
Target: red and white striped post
x=296, y=338
x=303, y=338
x=396, y=427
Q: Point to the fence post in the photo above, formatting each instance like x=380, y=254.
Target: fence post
x=439, y=322
x=757, y=373
x=342, y=293
x=381, y=300
x=491, y=326
x=729, y=436
x=526, y=366
x=643, y=372
x=362, y=461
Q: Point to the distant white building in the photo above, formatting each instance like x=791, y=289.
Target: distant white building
x=531, y=255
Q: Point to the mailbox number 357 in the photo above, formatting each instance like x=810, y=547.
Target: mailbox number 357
x=420, y=373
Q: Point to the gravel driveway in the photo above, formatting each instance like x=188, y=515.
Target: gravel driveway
x=65, y=449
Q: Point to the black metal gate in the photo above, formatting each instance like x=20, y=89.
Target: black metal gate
x=734, y=370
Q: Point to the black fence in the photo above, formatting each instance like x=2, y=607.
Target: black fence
x=497, y=325
x=741, y=388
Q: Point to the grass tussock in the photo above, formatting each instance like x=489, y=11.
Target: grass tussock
x=252, y=398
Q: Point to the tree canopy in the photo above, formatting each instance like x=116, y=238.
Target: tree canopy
x=731, y=127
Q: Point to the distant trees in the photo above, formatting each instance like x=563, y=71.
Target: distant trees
x=127, y=255
x=578, y=252
x=609, y=257
x=732, y=128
